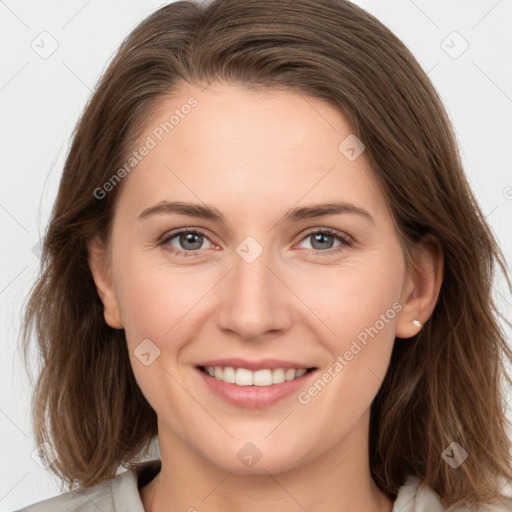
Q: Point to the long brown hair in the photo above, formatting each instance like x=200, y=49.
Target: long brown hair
x=442, y=386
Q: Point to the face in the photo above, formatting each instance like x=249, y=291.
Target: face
x=258, y=277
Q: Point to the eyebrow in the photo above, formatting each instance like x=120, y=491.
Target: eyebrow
x=294, y=215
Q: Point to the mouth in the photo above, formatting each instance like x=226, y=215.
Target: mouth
x=254, y=385
x=245, y=377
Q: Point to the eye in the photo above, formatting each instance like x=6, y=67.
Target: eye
x=189, y=242
x=322, y=240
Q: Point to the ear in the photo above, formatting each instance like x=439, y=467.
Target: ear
x=421, y=287
x=101, y=273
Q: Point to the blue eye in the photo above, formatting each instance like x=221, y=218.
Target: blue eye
x=322, y=240
x=191, y=240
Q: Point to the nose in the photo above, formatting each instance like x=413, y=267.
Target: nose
x=255, y=299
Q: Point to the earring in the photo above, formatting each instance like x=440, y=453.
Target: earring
x=416, y=323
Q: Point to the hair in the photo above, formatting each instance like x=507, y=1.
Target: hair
x=442, y=385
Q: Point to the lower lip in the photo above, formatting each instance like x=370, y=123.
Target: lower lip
x=254, y=397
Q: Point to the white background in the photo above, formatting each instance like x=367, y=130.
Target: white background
x=41, y=100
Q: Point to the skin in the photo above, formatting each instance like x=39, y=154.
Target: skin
x=253, y=156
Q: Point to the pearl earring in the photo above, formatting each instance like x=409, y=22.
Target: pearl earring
x=416, y=323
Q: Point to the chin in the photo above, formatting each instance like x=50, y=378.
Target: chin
x=259, y=457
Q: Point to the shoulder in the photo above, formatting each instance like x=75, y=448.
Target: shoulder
x=117, y=494
x=413, y=496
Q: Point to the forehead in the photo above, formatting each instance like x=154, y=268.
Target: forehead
x=257, y=148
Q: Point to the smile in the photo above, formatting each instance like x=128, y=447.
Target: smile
x=246, y=377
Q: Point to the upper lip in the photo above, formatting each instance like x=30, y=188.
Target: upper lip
x=261, y=364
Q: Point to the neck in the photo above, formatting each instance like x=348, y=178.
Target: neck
x=338, y=480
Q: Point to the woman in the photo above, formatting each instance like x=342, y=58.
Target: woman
x=276, y=373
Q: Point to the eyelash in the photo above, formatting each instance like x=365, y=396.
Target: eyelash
x=345, y=241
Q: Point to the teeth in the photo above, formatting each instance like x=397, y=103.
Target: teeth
x=277, y=376
x=245, y=377
x=229, y=375
x=290, y=374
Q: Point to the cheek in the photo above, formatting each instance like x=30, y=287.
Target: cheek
x=353, y=297
x=155, y=298
x=145, y=306
x=355, y=309
x=155, y=303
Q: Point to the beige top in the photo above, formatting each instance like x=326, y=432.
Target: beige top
x=121, y=494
